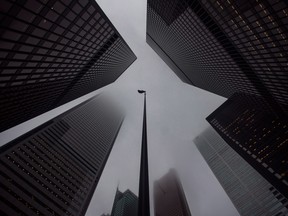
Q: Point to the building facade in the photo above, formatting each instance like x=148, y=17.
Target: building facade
x=256, y=133
x=53, y=52
x=224, y=46
x=125, y=204
x=250, y=193
x=55, y=168
x=169, y=196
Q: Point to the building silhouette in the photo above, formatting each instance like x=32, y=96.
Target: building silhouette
x=55, y=168
x=169, y=196
x=256, y=133
x=250, y=193
x=235, y=49
x=53, y=52
x=125, y=204
x=224, y=46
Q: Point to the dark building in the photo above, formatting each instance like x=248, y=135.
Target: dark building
x=53, y=52
x=250, y=193
x=169, y=196
x=224, y=46
x=256, y=133
x=125, y=204
x=55, y=168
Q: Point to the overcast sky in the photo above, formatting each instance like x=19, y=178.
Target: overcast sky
x=175, y=116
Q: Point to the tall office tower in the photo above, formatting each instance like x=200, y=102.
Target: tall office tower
x=125, y=204
x=52, y=52
x=250, y=193
x=224, y=46
x=55, y=168
x=256, y=133
x=169, y=196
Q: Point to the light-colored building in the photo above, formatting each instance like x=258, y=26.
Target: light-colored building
x=250, y=193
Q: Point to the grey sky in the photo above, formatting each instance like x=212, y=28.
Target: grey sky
x=176, y=115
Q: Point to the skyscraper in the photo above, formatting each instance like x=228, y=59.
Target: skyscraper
x=256, y=133
x=55, y=168
x=250, y=193
x=224, y=46
x=169, y=196
x=229, y=47
x=125, y=204
x=53, y=52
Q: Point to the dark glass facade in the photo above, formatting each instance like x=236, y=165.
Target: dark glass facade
x=250, y=193
x=224, y=46
x=249, y=125
x=169, y=196
x=125, y=204
x=52, y=52
x=55, y=168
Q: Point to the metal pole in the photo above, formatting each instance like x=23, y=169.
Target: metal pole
x=144, y=206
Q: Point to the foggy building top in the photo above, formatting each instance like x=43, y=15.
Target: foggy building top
x=169, y=196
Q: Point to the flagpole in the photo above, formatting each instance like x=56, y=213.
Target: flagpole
x=144, y=205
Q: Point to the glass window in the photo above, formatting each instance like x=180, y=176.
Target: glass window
x=77, y=8
x=59, y=7
x=71, y=16
x=26, y=15
x=59, y=30
x=39, y=32
x=91, y=9
x=51, y=15
x=65, y=23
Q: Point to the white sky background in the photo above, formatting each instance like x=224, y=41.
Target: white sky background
x=175, y=116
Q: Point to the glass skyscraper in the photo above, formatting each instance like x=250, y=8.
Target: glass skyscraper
x=236, y=49
x=53, y=52
x=55, y=168
x=250, y=193
x=125, y=204
x=249, y=125
x=224, y=46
